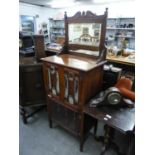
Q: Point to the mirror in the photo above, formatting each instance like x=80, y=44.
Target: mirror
x=85, y=34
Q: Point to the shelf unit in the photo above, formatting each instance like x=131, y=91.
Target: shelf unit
x=57, y=29
x=118, y=29
x=27, y=24
x=45, y=33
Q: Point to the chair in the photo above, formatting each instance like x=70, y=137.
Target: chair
x=125, y=86
x=39, y=46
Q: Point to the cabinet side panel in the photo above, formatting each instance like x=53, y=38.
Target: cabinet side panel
x=91, y=84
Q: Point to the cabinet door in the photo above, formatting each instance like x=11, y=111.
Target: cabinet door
x=72, y=86
x=31, y=84
x=65, y=117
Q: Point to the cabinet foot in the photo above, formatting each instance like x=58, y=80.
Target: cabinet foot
x=81, y=147
x=50, y=124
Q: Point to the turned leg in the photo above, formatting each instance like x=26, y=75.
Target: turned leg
x=108, y=135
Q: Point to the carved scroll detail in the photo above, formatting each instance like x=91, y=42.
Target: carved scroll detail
x=84, y=14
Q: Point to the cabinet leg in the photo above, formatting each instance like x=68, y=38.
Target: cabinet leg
x=81, y=131
x=24, y=119
x=50, y=123
x=95, y=128
x=49, y=111
x=23, y=113
x=81, y=144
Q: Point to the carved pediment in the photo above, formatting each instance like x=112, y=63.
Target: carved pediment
x=84, y=14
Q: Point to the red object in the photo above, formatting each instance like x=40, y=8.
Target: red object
x=125, y=85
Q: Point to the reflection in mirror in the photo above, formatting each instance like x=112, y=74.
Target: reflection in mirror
x=85, y=34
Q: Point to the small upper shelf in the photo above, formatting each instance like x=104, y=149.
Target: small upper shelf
x=118, y=36
x=116, y=28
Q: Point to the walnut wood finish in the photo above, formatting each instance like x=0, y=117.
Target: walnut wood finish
x=87, y=17
x=72, y=61
x=88, y=76
x=79, y=78
x=84, y=80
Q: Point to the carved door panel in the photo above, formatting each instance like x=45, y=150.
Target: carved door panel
x=72, y=86
x=53, y=81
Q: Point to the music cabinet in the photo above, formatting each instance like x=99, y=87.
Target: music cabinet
x=31, y=87
x=69, y=86
x=73, y=77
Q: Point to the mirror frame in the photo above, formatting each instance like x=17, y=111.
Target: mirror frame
x=86, y=17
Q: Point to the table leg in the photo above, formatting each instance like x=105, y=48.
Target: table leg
x=131, y=148
x=107, y=140
x=95, y=127
x=108, y=136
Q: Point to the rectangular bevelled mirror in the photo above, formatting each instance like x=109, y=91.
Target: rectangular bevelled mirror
x=84, y=34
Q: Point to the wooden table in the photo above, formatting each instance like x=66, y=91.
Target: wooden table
x=121, y=119
x=121, y=60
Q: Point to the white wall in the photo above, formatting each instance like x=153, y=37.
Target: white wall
x=43, y=12
x=117, y=9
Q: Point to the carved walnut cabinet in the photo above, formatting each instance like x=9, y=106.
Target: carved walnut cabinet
x=70, y=81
